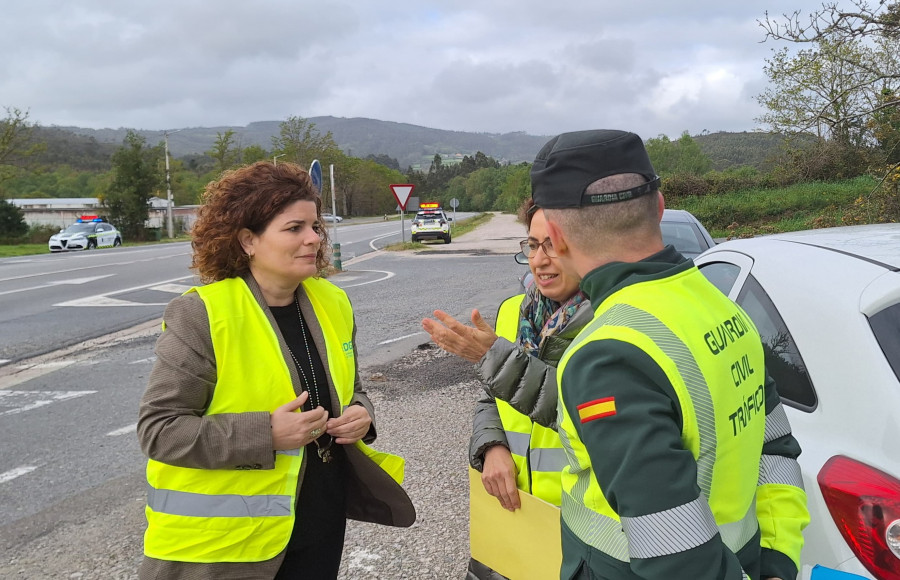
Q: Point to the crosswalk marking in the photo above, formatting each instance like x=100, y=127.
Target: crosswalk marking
x=21, y=401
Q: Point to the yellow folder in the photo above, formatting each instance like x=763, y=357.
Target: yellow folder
x=524, y=544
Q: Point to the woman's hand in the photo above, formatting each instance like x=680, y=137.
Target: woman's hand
x=292, y=430
x=468, y=342
x=499, y=477
x=351, y=426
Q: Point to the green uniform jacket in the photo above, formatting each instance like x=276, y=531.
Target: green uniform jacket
x=646, y=431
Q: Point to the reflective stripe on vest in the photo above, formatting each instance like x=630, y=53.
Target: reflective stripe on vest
x=536, y=450
x=237, y=515
x=727, y=476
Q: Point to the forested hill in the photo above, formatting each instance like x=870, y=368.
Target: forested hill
x=725, y=150
x=410, y=145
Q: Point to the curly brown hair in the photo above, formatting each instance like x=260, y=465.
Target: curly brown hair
x=249, y=197
x=526, y=212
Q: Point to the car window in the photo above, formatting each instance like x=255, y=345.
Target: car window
x=783, y=360
x=85, y=228
x=886, y=326
x=722, y=274
x=684, y=236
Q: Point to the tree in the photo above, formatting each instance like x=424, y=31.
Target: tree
x=17, y=145
x=300, y=143
x=12, y=221
x=861, y=46
x=137, y=174
x=252, y=154
x=224, y=150
x=681, y=156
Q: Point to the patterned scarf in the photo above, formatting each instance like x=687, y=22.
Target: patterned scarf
x=542, y=317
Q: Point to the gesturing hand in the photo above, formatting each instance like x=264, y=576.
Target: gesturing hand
x=499, y=477
x=351, y=426
x=292, y=430
x=468, y=342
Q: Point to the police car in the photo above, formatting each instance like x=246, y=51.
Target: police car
x=86, y=233
x=431, y=223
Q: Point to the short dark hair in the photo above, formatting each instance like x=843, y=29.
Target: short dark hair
x=249, y=197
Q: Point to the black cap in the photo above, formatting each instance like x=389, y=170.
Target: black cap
x=570, y=162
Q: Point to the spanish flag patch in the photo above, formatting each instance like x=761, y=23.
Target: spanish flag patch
x=597, y=409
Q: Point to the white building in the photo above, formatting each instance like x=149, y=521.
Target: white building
x=63, y=211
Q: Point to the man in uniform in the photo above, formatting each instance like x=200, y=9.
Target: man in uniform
x=679, y=468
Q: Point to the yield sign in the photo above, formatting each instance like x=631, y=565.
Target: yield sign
x=401, y=193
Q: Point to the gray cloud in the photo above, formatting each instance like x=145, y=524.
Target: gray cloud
x=495, y=65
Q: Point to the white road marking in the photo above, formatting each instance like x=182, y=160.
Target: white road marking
x=387, y=275
x=58, y=283
x=3, y=361
x=14, y=473
x=173, y=288
x=21, y=401
x=49, y=365
x=373, y=240
x=92, y=267
x=399, y=338
x=105, y=300
x=151, y=359
x=123, y=431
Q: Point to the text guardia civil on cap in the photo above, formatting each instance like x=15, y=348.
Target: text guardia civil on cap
x=570, y=162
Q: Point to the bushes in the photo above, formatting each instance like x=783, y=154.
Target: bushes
x=714, y=182
x=38, y=234
x=12, y=220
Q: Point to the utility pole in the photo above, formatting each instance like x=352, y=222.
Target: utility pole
x=171, y=228
x=275, y=159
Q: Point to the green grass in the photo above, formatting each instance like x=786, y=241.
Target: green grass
x=9, y=251
x=400, y=246
x=797, y=207
x=467, y=225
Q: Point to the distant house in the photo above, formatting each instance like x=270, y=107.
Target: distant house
x=63, y=211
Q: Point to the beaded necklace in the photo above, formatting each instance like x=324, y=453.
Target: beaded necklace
x=314, y=399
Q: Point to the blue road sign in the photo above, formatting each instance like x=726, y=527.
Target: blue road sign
x=315, y=172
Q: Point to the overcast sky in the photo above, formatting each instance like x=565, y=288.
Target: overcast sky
x=650, y=66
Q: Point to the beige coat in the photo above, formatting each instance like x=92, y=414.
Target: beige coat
x=172, y=429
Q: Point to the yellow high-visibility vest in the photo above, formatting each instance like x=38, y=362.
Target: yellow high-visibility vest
x=536, y=450
x=727, y=462
x=236, y=515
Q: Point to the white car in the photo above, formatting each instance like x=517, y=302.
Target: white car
x=327, y=217
x=431, y=224
x=86, y=233
x=827, y=304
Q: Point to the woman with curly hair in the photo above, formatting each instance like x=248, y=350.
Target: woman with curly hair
x=253, y=419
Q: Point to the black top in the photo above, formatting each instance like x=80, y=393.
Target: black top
x=321, y=505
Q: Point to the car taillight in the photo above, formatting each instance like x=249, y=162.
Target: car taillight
x=865, y=505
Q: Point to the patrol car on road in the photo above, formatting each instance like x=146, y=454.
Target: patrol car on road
x=431, y=223
x=86, y=233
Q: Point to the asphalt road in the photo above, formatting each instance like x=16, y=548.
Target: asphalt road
x=53, y=301
x=71, y=472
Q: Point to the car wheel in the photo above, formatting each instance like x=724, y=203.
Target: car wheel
x=117, y=242
x=447, y=239
x=414, y=239
x=91, y=245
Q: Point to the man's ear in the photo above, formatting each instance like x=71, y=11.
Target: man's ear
x=557, y=238
x=245, y=237
x=661, y=203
